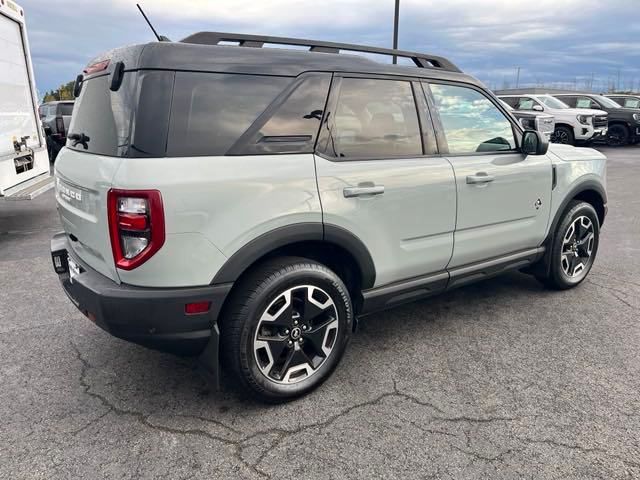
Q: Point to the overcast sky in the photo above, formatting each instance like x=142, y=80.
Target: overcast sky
x=551, y=40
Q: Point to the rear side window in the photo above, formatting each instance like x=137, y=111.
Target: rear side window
x=374, y=118
x=571, y=101
x=291, y=123
x=104, y=116
x=210, y=111
x=471, y=122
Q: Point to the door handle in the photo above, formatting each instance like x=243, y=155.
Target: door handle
x=361, y=191
x=480, y=177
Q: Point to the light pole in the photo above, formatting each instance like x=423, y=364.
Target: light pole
x=396, y=18
x=518, y=77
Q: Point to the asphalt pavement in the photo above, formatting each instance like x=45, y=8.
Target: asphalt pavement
x=500, y=380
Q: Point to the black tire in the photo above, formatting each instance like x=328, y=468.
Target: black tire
x=563, y=135
x=618, y=135
x=557, y=276
x=262, y=292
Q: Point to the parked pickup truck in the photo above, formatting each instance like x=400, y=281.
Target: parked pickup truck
x=533, y=120
x=56, y=117
x=572, y=125
x=626, y=101
x=624, y=123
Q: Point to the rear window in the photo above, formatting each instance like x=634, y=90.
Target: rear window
x=66, y=108
x=104, y=116
x=210, y=111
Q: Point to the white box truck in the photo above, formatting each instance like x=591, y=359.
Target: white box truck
x=24, y=162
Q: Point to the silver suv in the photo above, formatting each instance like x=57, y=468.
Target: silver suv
x=248, y=205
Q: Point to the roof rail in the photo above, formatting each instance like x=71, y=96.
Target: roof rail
x=422, y=60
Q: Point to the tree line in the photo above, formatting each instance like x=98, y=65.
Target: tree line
x=63, y=92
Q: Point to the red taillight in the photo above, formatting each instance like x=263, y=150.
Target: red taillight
x=136, y=226
x=96, y=67
x=60, y=126
x=196, y=308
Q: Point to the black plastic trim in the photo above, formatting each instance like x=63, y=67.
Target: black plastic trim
x=289, y=235
x=404, y=291
x=588, y=185
x=153, y=317
x=391, y=295
x=422, y=60
x=484, y=269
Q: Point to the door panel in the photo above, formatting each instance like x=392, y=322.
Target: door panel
x=375, y=181
x=503, y=215
x=408, y=229
x=504, y=196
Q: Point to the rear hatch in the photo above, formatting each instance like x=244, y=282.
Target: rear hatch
x=85, y=168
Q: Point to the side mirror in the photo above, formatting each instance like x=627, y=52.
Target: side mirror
x=534, y=143
x=538, y=108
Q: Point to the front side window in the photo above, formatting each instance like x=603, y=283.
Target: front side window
x=526, y=103
x=632, y=103
x=471, y=122
x=584, y=102
x=374, y=118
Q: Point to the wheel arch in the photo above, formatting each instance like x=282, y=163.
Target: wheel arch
x=589, y=191
x=333, y=246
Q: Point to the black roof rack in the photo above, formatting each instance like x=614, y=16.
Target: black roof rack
x=421, y=60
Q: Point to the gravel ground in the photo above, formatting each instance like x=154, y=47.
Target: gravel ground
x=501, y=379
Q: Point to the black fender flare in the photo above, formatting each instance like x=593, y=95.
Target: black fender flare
x=581, y=187
x=588, y=185
x=292, y=234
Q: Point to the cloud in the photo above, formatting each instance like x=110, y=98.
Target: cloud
x=551, y=40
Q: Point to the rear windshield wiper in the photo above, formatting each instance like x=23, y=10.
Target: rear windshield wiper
x=79, y=139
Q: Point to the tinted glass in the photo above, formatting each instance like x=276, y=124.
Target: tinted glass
x=571, y=101
x=104, y=116
x=471, y=122
x=375, y=118
x=291, y=123
x=210, y=111
x=66, y=108
x=511, y=101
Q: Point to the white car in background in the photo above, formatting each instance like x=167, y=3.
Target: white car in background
x=572, y=125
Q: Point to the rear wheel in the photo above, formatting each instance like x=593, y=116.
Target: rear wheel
x=286, y=328
x=618, y=135
x=574, y=247
x=563, y=135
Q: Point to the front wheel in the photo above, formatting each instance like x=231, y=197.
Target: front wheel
x=618, y=135
x=286, y=328
x=574, y=247
x=563, y=135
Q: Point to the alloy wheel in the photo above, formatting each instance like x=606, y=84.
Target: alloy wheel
x=296, y=334
x=577, y=247
x=561, y=136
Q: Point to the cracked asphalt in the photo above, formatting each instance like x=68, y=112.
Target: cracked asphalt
x=499, y=380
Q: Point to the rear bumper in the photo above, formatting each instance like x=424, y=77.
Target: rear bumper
x=153, y=317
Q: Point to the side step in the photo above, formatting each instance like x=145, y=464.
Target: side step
x=31, y=188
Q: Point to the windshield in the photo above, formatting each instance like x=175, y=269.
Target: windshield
x=607, y=102
x=553, y=102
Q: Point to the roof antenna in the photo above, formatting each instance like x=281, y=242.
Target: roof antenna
x=161, y=38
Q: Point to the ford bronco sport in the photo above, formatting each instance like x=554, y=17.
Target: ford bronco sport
x=248, y=204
